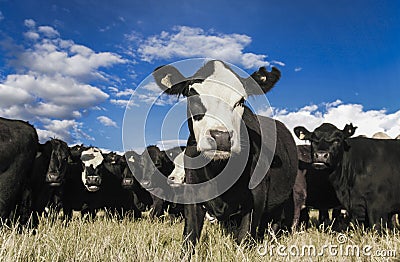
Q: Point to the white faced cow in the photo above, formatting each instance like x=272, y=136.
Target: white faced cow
x=91, y=158
x=218, y=120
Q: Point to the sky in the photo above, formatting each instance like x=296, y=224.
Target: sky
x=71, y=67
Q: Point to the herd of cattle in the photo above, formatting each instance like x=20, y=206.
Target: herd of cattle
x=357, y=177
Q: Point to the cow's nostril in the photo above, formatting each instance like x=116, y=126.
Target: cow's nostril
x=326, y=156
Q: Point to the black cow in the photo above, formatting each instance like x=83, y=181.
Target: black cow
x=365, y=173
x=155, y=161
x=218, y=120
x=320, y=193
x=133, y=170
x=49, y=171
x=18, y=148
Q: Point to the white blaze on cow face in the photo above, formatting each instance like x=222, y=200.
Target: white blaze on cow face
x=177, y=176
x=91, y=157
x=222, y=94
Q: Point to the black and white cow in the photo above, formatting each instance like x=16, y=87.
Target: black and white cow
x=18, y=148
x=48, y=176
x=365, y=173
x=218, y=120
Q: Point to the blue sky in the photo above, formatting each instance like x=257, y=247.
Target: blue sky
x=70, y=67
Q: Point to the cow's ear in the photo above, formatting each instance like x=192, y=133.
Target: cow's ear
x=302, y=133
x=265, y=80
x=170, y=80
x=349, y=130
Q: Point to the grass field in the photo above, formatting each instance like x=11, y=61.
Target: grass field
x=109, y=239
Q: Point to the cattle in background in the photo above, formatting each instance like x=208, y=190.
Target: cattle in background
x=216, y=92
x=98, y=186
x=381, y=135
x=365, y=173
x=133, y=170
x=18, y=148
x=320, y=193
x=156, y=162
x=48, y=176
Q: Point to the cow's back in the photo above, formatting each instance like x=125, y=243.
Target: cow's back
x=18, y=147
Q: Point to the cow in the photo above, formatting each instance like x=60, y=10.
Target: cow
x=155, y=161
x=132, y=171
x=48, y=176
x=18, y=148
x=319, y=192
x=218, y=120
x=381, y=135
x=364, y=171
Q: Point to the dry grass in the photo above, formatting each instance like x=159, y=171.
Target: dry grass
x=109, y=239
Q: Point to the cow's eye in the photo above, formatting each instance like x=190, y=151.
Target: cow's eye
x=240, y=102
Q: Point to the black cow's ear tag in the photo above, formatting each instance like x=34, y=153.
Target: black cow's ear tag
x=302, y=136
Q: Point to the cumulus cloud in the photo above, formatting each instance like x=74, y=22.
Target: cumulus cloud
x=338, y=113
x=53, y=81
x=188, y=42
x=106, y=121
x=67, y=130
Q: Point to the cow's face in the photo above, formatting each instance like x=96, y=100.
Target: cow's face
x=114, y=163
x=215, y=103
x=328, y=143
x=152, y=160
x=132, y=169
x=59, y=158
x=177, y=177
x=92, y=158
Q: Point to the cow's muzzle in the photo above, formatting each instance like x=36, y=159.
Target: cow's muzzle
x=53, y=179
x=222, y=140
x=127, y=183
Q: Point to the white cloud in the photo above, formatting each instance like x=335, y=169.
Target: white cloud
x=48, y=31
x=30, y=23
x=187, y=42
x=298, y=69
x=52, y=84
x=106, y=121
x=67, y=130
x=338, y=113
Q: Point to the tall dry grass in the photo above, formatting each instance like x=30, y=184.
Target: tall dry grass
x=109, y=239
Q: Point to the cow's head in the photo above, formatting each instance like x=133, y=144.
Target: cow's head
x=132, y=170
x=177, y=176
x=114, y=164
x=59, y=157
x=215, y=103
x=328, y=143
x=91, y=158
x=152, y=160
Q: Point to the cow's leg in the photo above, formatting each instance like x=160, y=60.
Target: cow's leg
x=299, y=196
x=244, y=230
x=257, y=227
x=378, y=218
x=323, y=216
x=157, y=208
x=194, y=220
